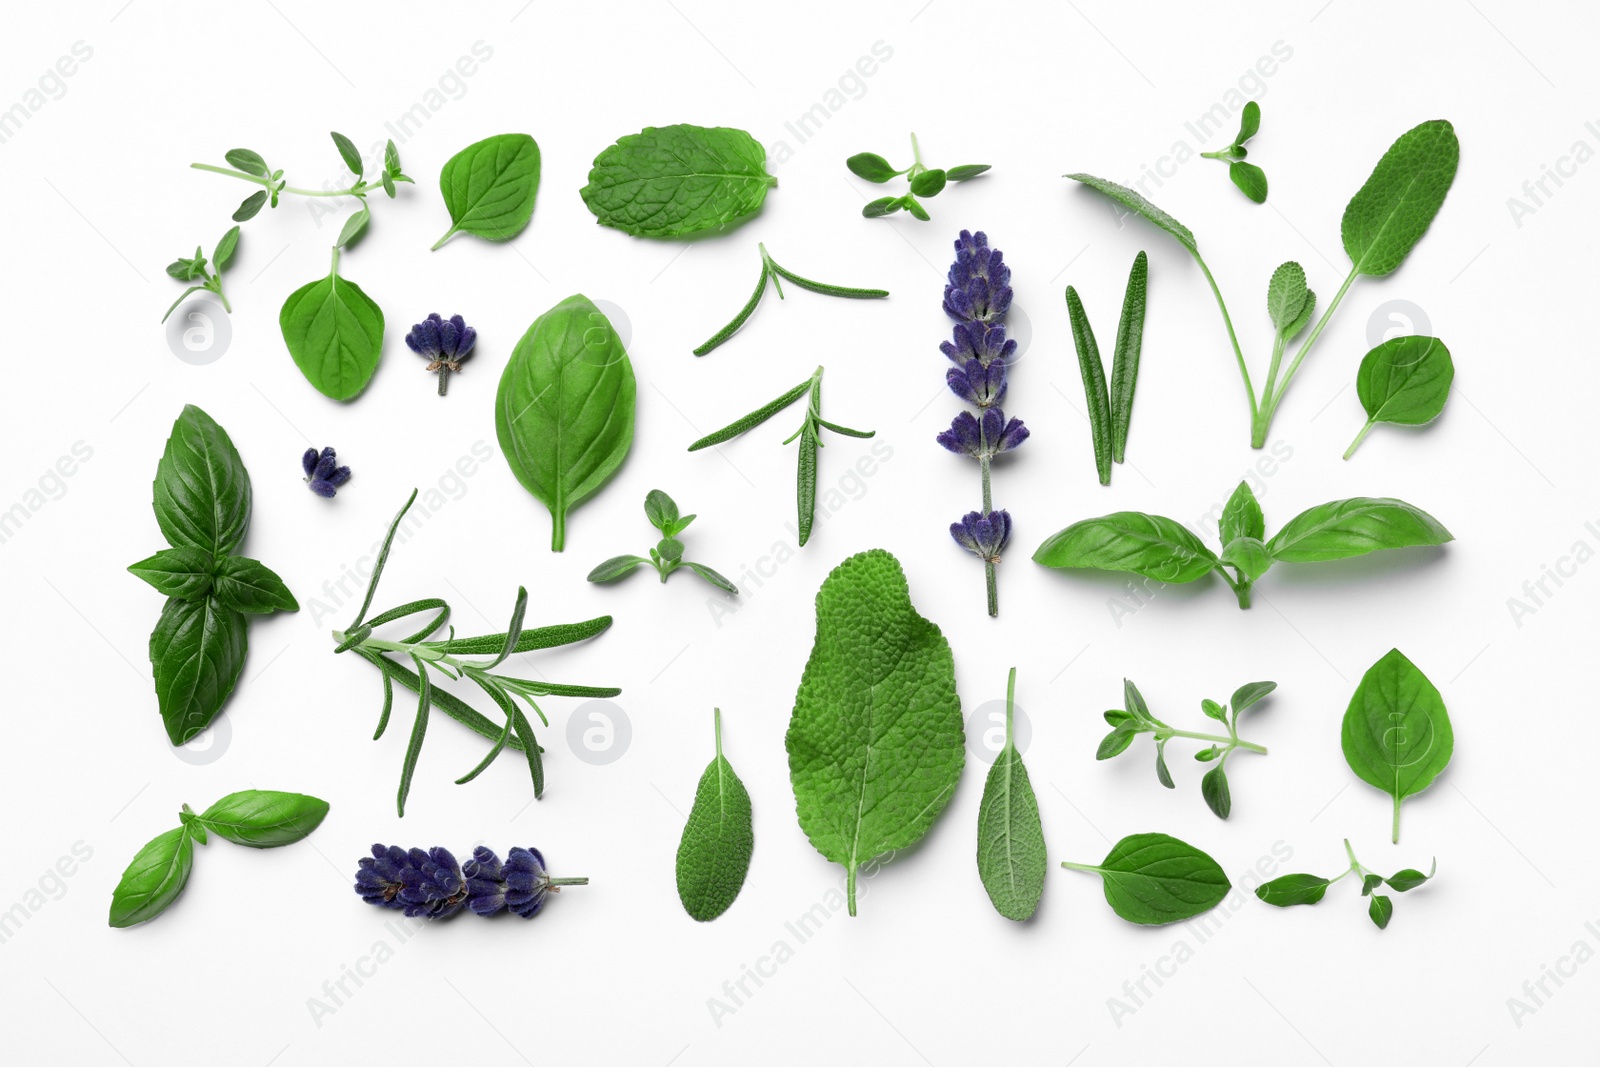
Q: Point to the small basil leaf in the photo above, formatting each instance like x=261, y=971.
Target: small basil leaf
x=1214, y=788
x=616, y=567
x=184, y=573
x=1154, y=879
x=334, y=331
x=965, y=171
x=1397, y=735
x=1410, y=878
x=928, y=183
x=250, y=206
x=264, y=818
x=1292, y=889
x=249, y=586
x=1241, y=516
x=1249, y=555
x=1406, y=381
x=153, y=880
x=872, y=167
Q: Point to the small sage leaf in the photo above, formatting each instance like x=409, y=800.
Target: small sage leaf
x=714, y=853
x=1011, y=849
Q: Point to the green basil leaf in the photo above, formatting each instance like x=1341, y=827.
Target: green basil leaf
x=1354, y=527
x=1405, y=380
x=223, y=254
x=1214, y=788
x=1152, y=545
x=153, y=880
x=246, y=585
x=250, y=206
x=184, y=573
x=713, y=577
x=928, y=183
x=714, y=852
x=564, y=409
x=1389, y=214
x=875, y=742
x=1286, y=296
x=1248, y=694
x=1292, y=889
x=966, y=171
x=197, y=653
x=489, y=187
x=662, y=511
x=334, y=331
x=347, y=152
x=670, y=181
x=391, y=159
x=1153, y=879
x=1381, y=909
x=1410, y=878
x=1249, y=555
x=871, y=166
x=1139, y=205
x=1011, y=849
x=247, y=161
x=1251, y=180
x=264, y=818
x=1241, y=516
x=616, y=567
x=202, y=491
x=1397, y=735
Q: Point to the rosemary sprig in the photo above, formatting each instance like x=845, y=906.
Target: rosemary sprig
x=771, y=270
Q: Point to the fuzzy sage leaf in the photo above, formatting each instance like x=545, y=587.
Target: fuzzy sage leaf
x=714, y=853
x=1011, y=849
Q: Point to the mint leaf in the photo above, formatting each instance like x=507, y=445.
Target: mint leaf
x=1397, y=735
x=490, y=187
x=714, y=853
x=670, y=181
x=1153, y=879
x=875, y=742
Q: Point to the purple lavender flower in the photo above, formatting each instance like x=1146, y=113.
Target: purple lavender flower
x=983, y=535
x=977, y=383
x=431, y=885
x=445, y=343
x=979, y=287
x=983, y=438
x=975, y=340
x=323, y=473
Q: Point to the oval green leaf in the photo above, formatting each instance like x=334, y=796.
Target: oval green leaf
x=1152, y=545
x=1292, y=889
x=490, y=187
x=564, y=409
x=197, y=653
x=1011, y=850
x=1405, y=380
x=1389, y=214
x=334, y=331
x=1153, y=879
x=871, y=166
x=153, y=880
x=202, y=491
x=1397, y=735
x=264, y=818
x=184, y=573
x=1354, y=527
x=1251, y=180
x=246, y=585
x=714, y=853
x=670, y=181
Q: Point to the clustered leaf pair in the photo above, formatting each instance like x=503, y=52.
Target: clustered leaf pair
x=1135, y=719
x=667, y=555
x=927, y=182
x=187, y=269
x=1111, y=408
x=1251, y=179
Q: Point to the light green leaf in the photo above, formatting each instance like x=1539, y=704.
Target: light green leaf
x=1406, y=381
x=1011, y=850
x=334, y=331
x=153, y=880
x=1354, y=527
x=1390, y=213
x=490, y=187
x=1397, y=735
x=264, y=818
x=671, y=181
x=1152, y=545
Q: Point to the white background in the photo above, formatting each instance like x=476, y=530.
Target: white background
x=98, y=198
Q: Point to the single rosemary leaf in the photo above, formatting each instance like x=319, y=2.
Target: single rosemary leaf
x=752, y=420
x=806, y=483
x=1125, y=359
x=1094, y=385
x=419, y=729
x=739, y=319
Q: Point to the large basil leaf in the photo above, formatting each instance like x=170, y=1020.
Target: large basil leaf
x=202, y=491
x=197, y=653
x=1397, y=734
x=1354, y=527
x=247, y=585
x=1152, y=545
x=264, y=818
x=669, y=181
x=154, y=879
x=1389, y=214
x=875, y=743
x=334, y=331
x=184, y=573
x=489, y=187
x=1154, y=879
x=564, y=410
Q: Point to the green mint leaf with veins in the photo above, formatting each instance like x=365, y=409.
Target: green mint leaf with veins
x=1290, y=890
x=875, y=743
x=565, y=407
x=1405, y=381
x=770, y=269
x=1397, y=735
x=714, y=852
x=808, y=435
x=1153, y=879
x=1011, y=849
x=490, y=187
x=334, y=332
x=671, y=181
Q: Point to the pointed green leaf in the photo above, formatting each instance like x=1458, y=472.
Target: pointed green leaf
x=1389, y=214
x=1397, y=735
x=1153, y=879
x=264, y=818
x=1292, y=889
x=153, y=880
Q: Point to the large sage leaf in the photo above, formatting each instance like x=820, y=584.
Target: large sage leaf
x=264, y=818
x=334, y=331
x=1011, y=851
x=1153, y=879
x=875, y=743
x=489, y=187
x=714, y=853
x=1389, y=214
x=196, y=653
x=1152, y=545
x=202, y=491
x=1343, y=528
x=669, y=181
x=154, y=879
x=1397, y=734
x=564, y=410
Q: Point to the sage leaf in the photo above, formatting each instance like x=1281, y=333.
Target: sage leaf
x=245, y=585
x=1406, y=381
x=1292, y=889
x=714, y=853
x=197, y=653
x=184, y=573
x=1125, y=358
x=875, y=743
x=1389, y=213
x=202, y=490
x=1011, y=850
x=1286, y=297
x=1397, y=735
x=564, y=409
x=1152, y=545
x=1095, y=396
x=670, y=181
x=264, y=818
x=153, y=880
x=489, y=187
x=1153, y=879
x=1343, y=528
x=334, y=331
x=1140, y=206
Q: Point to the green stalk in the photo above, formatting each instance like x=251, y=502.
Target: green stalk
x=1231, y=742
x=360, y=188
x=1270, y=403
x=1227, y=320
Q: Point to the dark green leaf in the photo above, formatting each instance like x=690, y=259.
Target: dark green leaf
x=153, y=880
x=1251, y=180
x=887, y=205
x=713, y=577
x=806, y=483
x=250, y=206
x=1249, y=122
x=247, y=161
x=1250, y=693
x=383, y=558
x=1249, y=555
x=1152, y=545
x=1096, y=399
x=202, y=490
x=1214, y=788
x=1154, y=879
x=490, y=187
x=1380, y=910
x=1117, y=741
x=1410, y=878
x=531, y=639
x=670, y=549
x=872, y=167
x=564, y=410
x=714, y=852
x=928, y=183
x=1139, y=205
x=966, y=171
x=616, y=567
x=264, y=818
x=1397, y=735
x=184, y=573
x=1125, y=358
x=1389, y=214
x=739, y=319
x=675, y=180
x=1354, y=527
x=1293, y=889
x=347, y=152
x=248, y=586
x=197, y=653
x=334, y=331
x=1163, y=775
x=419, y=730
x=1369, y=883
x=223, y=254
x=519, y=610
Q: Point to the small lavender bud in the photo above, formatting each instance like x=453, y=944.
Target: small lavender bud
x=985, y=536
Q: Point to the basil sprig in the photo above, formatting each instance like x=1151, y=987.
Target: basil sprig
x=202, y=504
